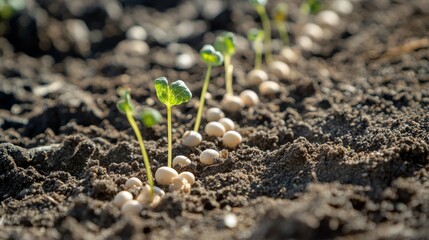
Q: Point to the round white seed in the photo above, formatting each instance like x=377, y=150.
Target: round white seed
x=214, y=129
x=230, y=220
x=191, y=139
x=164, y=175
x=227, y=123
x=208, y=156
x=313, y=30
x=188, y=176
x=305, y=43
x=280, y=69
x=289, y=55
x=181, y=161
x=214, y=114
x=249, y=97
x=133, y=182
x=269, y=88
x=342, y=6
x=328, y=17
x=256, y=77
x=132, y=207
x=232, y=103
x=147, y=198
x=231, y=139
x=121, y=198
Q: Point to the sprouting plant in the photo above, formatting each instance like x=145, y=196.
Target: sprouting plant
x=127, y=107
x=256, y=36
x=280, y=17
x=149, y=116
x=259, y=6
x=310, y=7
x=226, y=44
x=212, y=58
x=171, y=95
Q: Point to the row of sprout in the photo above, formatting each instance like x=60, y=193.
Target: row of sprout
x=177, y=93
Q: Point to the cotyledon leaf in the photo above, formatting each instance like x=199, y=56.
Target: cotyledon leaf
x=174, y=94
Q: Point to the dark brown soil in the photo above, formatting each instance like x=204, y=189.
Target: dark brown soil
x=341, y=152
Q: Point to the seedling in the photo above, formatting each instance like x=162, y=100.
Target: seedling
x=150, y=116
x=171, y=95
x=212, y=58
x=259, y=6
x=127, y=107
x=280, y=18
x=226, y=44
x=256, y=36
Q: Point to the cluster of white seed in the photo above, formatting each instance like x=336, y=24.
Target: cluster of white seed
x=128, y=205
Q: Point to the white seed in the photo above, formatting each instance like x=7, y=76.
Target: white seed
x=305, y=43
x=230, y=220
x=231, y=139
x=249, y=97
x=132, y=207
x=177, y=184
x=188, y=176
x=122, y=197
x=227, y=123
x=328, y=17
x=191, y=139
x=280, y=69
x=232, y=103
x=342, y=6
x=214, y=114
x=146, y=198
x=136, y=33
x=256, y=77
x=164, y=175
x=289, y=55
x=313, y=30
x=269, y=88
x=181, y=161
x=214, y=129
x=208, y=156
x=133, y=182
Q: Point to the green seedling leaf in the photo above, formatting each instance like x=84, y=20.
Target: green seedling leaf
x=226, y=43
x=125, y=104
x=210, y=56
x=174, y=94
x=150, y=117
x=280, y=12
x=258, y=2
x=255, y=34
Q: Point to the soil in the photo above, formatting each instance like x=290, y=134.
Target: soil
x=342, y=151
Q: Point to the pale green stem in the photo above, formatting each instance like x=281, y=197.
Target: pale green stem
x=228, y=74
x=282, y=29
x=170, y=141
x=258, y=55
x=267, y=29
x=136, y=130
x=202, y=98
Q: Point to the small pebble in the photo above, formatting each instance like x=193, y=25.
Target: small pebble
x=249, y=97
x=181, y=161
x=280, y=69
x=256, y=77
x=188, y=176
x=227, y=123
x=164, y=175
x=232, y=103
x=208, y=156
x=214, y=129
x=231, y=139
x=214, y=114
x=133, y=182
x=132, y=207
x=122, y=197
x=185, y=61
x=269, y=88
x=191, y=139
x=132, y=47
